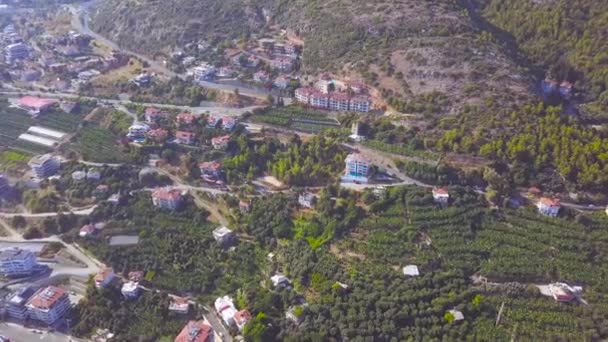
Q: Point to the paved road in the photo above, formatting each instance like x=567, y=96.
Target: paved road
x=215, y=110
x=79, y=212
x=19, y=333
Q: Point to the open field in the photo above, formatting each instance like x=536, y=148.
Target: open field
x=98, y=145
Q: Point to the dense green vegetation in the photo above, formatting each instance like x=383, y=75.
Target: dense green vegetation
x=536, y=140
x=565, y=37
x=295, y=117
x=146, y=319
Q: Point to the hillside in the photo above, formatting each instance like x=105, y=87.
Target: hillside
x=412, y=52
x=565, y=38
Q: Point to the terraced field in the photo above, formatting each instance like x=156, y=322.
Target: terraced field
x=297, y=118
x=513, y=249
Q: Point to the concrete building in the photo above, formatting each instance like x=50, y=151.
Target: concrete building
x=130, y=290
x=195, y=331
x=319, y=100
x=48, y=304
x=441, y=196
x=94, y=175
x=16, y=51
x=411, y=270
x=281, y=82
x=357, y=168
x=223, y=235
x=549, y=206
x=16, y=262
x=104, y=278
x=339, y=102
x=79, y=175
x=303, y=94
x=138, y=130
x=186, y=138
x=361, y=104
x=224, y=306
x=16, y=301
x=282, y=63
x=167, y=198
x=180, y=305
x=279, y=280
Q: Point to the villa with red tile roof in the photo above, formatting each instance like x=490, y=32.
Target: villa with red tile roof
x=241, y=318
x=158, y=135
x=185, y=119
x=441, y=196
x=303, y=94
x=549, y=206
x=104, y=278
x=195, y=331
x=167, y=198
x=211, y=171
x=220, y=142
x=339, y=101
x=152, y=115
x=48, y=304
x=87, y=230
x=186, y=138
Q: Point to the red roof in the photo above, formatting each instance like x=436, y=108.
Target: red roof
x=167, y=194
x=220, y=140
x=319, y=95
x=550, y=202
x=339, y=97
x=152, y=111
x=103, y=275
x=88, y=229
x=242, y=317
x=195, y=331
x=159, y=132
x=213, y=165
x=360, y=98
x=46, y=297
x=307, y=91
x=185, y=117
x=440, y=191
x=36, y=102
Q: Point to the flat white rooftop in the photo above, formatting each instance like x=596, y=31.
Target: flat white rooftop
x=38, y=140
x=47, y=132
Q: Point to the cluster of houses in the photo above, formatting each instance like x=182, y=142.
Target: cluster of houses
x=336, y=96
x=67, y=58
x=224, y=306
x=154, y=129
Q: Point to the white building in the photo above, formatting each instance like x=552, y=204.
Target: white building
x=203, y=72
x=360, y=104
x=458, y=315
x=411, y=270
x=16, y=51
x=339, y=102
x=307, y=200
x=549, y=206
x=78, y=175
x=279, y=280
x=241, y=318
x=357, y=168
x=223, y=235
x=225, y=308
x=130, y=290
x=441, y=196
x=16, y=262
x=93, y=175
x=15, y=303
x=44, y=165
x=179, y=305
x=138, y=130
x=48, y=304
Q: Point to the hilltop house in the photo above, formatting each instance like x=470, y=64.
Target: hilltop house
x=357, y=168
x=167, y=198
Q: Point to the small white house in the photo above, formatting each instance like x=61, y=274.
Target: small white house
x=458, y=316
x=79, y=175
x=411, y=270
x=223, y=235
x=279, y=280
